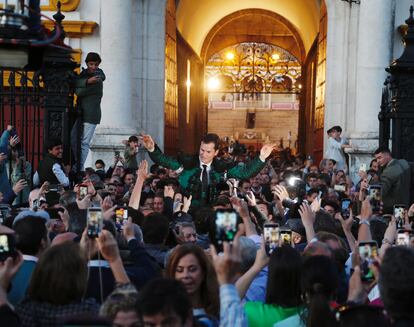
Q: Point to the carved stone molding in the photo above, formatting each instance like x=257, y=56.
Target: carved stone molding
x=67, y=5
x=73, y=28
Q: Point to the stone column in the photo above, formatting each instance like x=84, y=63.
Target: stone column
x=117, y=123
x=374, y=54
x=148, y=84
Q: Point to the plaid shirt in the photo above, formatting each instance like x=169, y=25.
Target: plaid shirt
x=231, y=312
x=34, y=314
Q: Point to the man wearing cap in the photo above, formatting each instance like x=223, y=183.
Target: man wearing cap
x=335, y=148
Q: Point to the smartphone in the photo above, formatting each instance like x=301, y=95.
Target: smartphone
x=83, y=191
x=226, y=225
x=54, y=188
x=285, y=237
x=95, y=222
x=368, y=252
x=271, y=237
x=309, y=157
x=346, y=208
x=374, y=192
x=121, y=214
x=6, y=246
x=4, y=211
x=340, y=188
x=117, y=153
x=399, y=214
x=404, y=237
x=363, y=167
x=369, y=177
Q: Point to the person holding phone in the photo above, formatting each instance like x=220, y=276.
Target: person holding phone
x=89, y=91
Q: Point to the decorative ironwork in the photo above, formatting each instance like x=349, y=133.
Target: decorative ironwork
x=251, y=67
x=397, y=106
x=39, y=101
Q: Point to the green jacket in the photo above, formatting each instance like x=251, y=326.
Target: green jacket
x=189, y=177
x=395, y=179
x=89, y=96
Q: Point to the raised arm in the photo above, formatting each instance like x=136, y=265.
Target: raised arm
x=156, y=154
x=253, y=167
x=142, y=174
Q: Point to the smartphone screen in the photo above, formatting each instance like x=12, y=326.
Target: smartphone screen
x=83, y=191
x=121, y=214
x=95, y=222
x=399, y=214
x=346, y=208
x=285, y=237
x=340, y=188
x=6, y=246
x=271, y=237
x=374, y=192
x=226, y=225
x=404, y=237
x=368, y=251
x=363, y=167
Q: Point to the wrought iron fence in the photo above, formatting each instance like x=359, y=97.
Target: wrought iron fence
x=22, y=106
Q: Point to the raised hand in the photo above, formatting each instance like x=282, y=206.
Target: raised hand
x=142, y=172
x=227, y=265
x=14, y=140
x=266, y=150
x=251, y=199
x=281, y=192
x=19, y=186
x=186, y=203
x=108, y=246
x=307, y=215
x=168, y=191
x=148, y=142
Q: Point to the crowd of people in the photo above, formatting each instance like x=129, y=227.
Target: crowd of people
x=227, y=237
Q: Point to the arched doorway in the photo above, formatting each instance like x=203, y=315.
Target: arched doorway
x=205, y=28
x=253, y=94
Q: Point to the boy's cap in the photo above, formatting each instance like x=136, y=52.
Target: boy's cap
x=133, y=138
x=93, y=56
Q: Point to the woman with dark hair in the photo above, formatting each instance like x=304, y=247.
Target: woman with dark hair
x=189, y=264
x=283, y=291
x=319, y=283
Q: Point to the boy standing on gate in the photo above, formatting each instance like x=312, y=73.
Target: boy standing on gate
x=89, y=91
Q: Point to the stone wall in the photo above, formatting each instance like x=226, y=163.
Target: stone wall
x=276, y=124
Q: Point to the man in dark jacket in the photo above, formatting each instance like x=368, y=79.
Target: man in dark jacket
x=51, y=170
x=395, y=178
x=88, y=89
x=200, y=174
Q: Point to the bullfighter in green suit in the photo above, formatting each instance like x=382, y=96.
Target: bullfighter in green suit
x=200, y=174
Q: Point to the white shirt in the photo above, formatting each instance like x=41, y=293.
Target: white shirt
x=208, y=169
x=59, y=173
x=334, y=151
